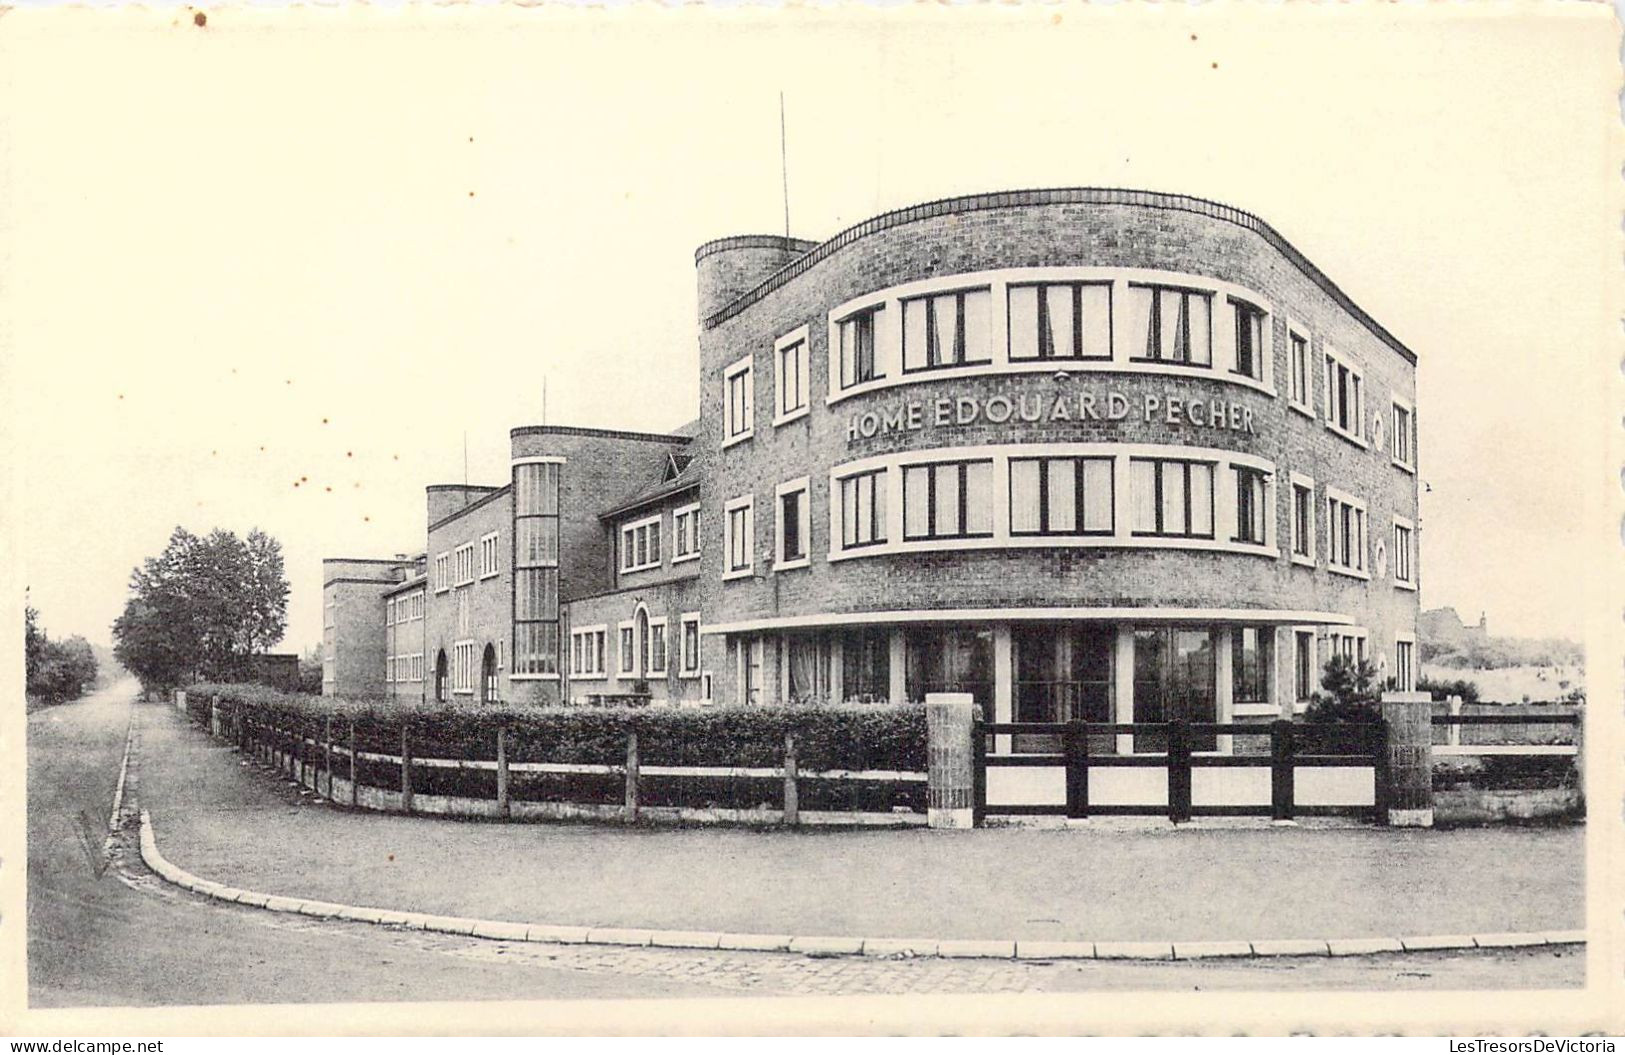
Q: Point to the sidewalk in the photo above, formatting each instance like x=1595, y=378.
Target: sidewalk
x=243, y=826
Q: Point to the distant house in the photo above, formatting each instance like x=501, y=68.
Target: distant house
x=1443, y=630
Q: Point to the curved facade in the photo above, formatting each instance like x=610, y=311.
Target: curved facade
x=1095, y=453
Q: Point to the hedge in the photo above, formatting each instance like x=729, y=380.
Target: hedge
x=847, y=737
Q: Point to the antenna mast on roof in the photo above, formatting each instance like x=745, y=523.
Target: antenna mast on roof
x=784, y=166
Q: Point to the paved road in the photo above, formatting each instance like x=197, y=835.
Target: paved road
x=129, y=939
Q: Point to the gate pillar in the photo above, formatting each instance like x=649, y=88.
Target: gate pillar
x=1409, y=794
x=949, y=728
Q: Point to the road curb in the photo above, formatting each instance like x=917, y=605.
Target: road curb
x=825, y=945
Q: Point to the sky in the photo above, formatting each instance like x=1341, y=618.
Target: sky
x=330, y=247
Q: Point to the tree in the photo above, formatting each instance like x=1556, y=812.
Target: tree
x=55, y=670
x=1350, y=692
x=202, y=607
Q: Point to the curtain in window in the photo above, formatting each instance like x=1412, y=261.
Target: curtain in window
x=1143, y=495
x=1097, y=494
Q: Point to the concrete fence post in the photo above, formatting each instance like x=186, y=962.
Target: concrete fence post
x=214, y=716
x=406, y=769
x=1409, y=795
x=1579, y=728
x=504, y=807
x=355, y=785
x=327, y=753
x=180, y=701
x=1452, y=734
x=792, y=793
x=950, y=719
x=631, y=777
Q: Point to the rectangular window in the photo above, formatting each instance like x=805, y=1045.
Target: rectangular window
x=1346, y=533
x=488, y=555
x=739, y=394
x=1402, y=430
x=1171, y=325
x=442, y=572
x=856, y=336
x=655, y=665
x=1298, y=368
x=1303, y=520
x=628, y=649
x=790, y=377
x=1249, y=323
x=1061, y=496
x=690, y=644
x=740, y=536
x=1350, y=644
x=1060, y=320
x=1403, y=552
x=863, y=509
x=462, y=563
x=1250, y=664
x=1172, y=498
x=587, y=652
x=948, y=500
x=793, y=524
x=947, y=329
x=866, y=665
x=685, y=542
x=1405, y=666
x=536, y=636
x=1344, y=398
x=1304, y=664
x=1252, y=505
x=640, y=545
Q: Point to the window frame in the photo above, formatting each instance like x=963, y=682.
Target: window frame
x=684, y=668
x=1356, y=435
x=962, y=465
x=1262, y=354
x=800, y=485
x=1213, y=501
x=1154, y=319
x=879, y=512
x=646, y=656
x=732, y=433
x=798, y=341
x=1408, y=553
x=961, y=314
x=1306, y=404
x=1407, y=639
x=746, y=503
x=1078, y=320
x=872, y=309
x=442, y=572
x=629, y=532
x=1363, y=569
x=488, y=543
x=627, y=658
x=1264, y=512
x=1400, y=405
x=1301, y=700
x=1308, y=558
x=1077, y=460
x=678, y=533
x=593, y=640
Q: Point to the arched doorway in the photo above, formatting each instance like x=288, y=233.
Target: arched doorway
x=440, y=677
x=488, y=675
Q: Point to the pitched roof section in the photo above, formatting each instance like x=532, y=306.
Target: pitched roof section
x=687, y=478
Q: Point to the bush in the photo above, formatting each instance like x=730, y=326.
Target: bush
x=845, y=737
x=1442, y=689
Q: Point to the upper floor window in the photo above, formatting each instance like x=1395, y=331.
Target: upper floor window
x=1303, y=520
x=738, y=401
x=1346, y=533
x=1252, y=504
x=1170, y=324
x=739, y=537
x=794, y=522
x=1298, y=369
x=1171, y=497
x=462, y=561
x=488, y=555
x=1060, y=496
x=1345, y=398
x=1249, y=322
x=1404, y=456
x=640, y=545
x=442, y=572
x=685, y=542
x=1061, y=320
x=948, y=500
x=856, y=337
x=790, y=377
x=1404, y=546
x=947, y=329
x=863, y=509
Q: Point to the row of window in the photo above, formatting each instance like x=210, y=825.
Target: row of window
x=641, y=648
x=1068, y=497
x=1063, y=321
x=458, y=568
x=405, y=609
x=640, y=540
x=404, y=668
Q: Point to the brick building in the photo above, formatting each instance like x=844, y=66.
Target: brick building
x=1083, y=453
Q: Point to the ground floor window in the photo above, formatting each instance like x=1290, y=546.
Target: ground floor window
x=1405, y=666
x=940, y=659
x=1063, y=673
x=866, y=665
x=1174, y=674
x=1250, y=664
x=1304, y=664
x=807, y=668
